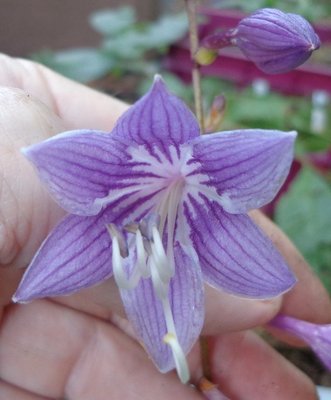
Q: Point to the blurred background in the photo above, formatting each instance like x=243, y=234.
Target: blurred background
x=117, y=46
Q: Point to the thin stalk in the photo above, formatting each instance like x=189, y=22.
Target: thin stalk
x=191, y=9
x=204, y=356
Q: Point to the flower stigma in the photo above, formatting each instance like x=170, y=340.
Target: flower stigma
x=179, y=357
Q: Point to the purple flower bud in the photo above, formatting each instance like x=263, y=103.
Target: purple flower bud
x=318, y=337
x=275, y=41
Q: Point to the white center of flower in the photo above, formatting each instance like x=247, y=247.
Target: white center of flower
x=169, y=178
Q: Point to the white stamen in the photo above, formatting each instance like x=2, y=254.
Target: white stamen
x=141, y=256
x=172, y=340
x=119, y=274
x=160, y=287
x=161, y=261
x=179, y=357
x=174, y=200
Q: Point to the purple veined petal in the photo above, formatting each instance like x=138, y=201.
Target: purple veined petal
x=233, y=252
x=158, y=119
x=145, y=312
x=246, y=167
x=76, y=255
x=87, y=170
x=276, y=61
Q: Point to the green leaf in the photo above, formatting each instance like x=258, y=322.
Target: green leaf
x=129, y=45
x=167, y=30
x=110, y=22
x=134, y=43
x=304, y=213
x=81, y=64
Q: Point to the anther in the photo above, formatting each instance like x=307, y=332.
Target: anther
x=123, y=282
x=115, y=232
x=131, y=227
x=147, y=224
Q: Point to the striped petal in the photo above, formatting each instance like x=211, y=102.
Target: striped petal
x=76, y=255
x=234, y=254
x=159, y=119
x=186, y=297
x=246, y=167
x=87, y=170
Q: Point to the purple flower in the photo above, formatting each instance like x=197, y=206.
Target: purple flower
x=162, y=209
x=318, y=337
x=275, y=41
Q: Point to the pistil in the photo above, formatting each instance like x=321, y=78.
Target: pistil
x=179, y=357
x=154, y=261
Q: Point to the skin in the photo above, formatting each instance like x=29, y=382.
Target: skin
x=81, y=347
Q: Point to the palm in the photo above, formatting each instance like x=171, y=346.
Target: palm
x=67, y=347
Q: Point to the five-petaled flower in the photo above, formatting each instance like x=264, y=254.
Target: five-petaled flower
x=162, y=209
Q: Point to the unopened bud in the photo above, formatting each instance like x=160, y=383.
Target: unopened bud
x=275, y=41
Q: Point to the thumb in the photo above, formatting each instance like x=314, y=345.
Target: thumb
x=27, y=213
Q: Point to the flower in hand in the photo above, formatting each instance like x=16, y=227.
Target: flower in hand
x=162, y=209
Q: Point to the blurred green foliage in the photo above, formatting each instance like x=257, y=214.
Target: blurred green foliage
x=126, y=46
x=304, y=213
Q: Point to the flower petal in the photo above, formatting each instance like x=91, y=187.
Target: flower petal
x=234, y=253
x=76, y=255
x=246, y=167
x=145, y=312
x=158, y=119
x=86, y=170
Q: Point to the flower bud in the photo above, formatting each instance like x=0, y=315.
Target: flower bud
x=318, y=337
x=275, y=41
x=205, y=56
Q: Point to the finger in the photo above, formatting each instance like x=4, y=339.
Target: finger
x=308, y=299
x=224, y=312
x=76, y=104
x=245, y=367
x=27, y=212
x=10, y=392
x=53, y=351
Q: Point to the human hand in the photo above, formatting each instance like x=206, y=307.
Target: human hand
x=80, y=347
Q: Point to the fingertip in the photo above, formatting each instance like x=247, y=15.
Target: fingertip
x=228, y=313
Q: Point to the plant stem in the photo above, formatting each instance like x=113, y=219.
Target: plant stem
x=204, y=355
x=191, y=9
